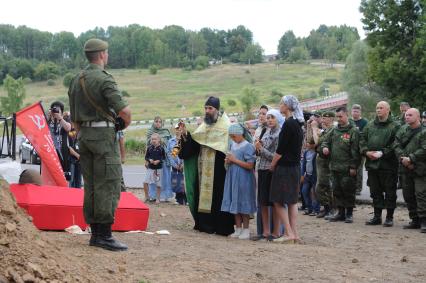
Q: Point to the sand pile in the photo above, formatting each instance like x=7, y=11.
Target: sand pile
x=25, y=255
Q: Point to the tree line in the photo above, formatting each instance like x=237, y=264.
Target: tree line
x=34, y=54
x=332, y=43
x=391, y=62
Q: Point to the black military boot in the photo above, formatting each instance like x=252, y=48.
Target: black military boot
x=349, y=215
x=423, y=224
x=377, y=218
x=340, y=216
x=94, y=232
x=389, y=218
x=323, y=213
x=106, y=241
x=413, y=224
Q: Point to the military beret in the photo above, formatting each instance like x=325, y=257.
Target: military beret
x=95, y=44
x=329, y=114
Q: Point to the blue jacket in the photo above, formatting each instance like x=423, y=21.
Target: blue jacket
x=314, y=166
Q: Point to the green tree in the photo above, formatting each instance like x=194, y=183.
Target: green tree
x=43, y=71
x=253, y=54
x=15, y=95
x=286, y=43
x=396, y=33
x=356, y=82
x=248, y=99
x=298, y=54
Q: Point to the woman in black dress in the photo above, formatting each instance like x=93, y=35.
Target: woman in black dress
x=286, y=167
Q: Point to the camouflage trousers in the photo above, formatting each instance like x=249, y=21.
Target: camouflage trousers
x=414, y=192
x=382, y=188
x=324, y=193
x=344, y=187
x=102, y=173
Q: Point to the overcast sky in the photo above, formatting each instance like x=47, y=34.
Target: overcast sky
x=267, y=19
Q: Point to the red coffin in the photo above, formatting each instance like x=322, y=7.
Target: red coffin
x=56, y=208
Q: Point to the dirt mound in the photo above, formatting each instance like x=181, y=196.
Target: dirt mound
x=26, y=255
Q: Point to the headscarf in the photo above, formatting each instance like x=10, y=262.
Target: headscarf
x=240, y=129
x=280, y=118
x=163, y=132
x=293, y=103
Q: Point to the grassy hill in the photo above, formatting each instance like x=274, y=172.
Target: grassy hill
x=178, y=93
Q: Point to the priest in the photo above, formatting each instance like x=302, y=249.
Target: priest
x=203, y=152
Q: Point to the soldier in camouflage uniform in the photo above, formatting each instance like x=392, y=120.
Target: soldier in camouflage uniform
x=94, y=101
x=342, y=147
x=376, y=145
x=323, y=186
x=410, y=149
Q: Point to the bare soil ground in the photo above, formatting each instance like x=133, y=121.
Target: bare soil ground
x=333, y=252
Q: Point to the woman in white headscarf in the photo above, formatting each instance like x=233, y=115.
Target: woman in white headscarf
x=286, y=168
x=265, y=150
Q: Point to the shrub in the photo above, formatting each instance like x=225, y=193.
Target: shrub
x=27, y=81
x=67, y=79
x=276, y=93
x=51, y=82
x=324, y=90
x=247, y=71
x=232, y=102
x=187, y=68
x=252, y=81
x=135, y=146
x=125, y=93
x=202, y=61
x=45, y=70
x=153, y=69
x=330, y=80
x=199, y=68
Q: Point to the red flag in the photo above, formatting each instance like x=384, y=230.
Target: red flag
x=32, y=122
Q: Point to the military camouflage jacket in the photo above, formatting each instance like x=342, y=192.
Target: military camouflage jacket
x=415, y=149
x=103, y=89
x=379, y=136
x=343, y=143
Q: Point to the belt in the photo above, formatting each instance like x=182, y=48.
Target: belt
x=99, y=124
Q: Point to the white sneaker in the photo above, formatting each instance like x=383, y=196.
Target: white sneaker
x=236, y=234
x=245, y=234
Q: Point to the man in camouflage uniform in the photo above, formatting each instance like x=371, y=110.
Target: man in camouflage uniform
x=323, y=186
x=376, y=145
x=410, y=149
x=342, y=147
x=94, y=101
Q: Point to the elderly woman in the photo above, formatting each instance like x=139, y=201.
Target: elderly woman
x=286, y=170
x=166, y=183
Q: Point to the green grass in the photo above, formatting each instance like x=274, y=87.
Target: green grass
x=161, y=94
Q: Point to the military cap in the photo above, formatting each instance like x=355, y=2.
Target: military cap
x=95, y=44
x=328, y=114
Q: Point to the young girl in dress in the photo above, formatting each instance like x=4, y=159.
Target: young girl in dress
x=239, y=197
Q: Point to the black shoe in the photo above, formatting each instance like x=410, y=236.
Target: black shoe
x=106, y=241
x=374, y=221
x=423, y=225
x=413, y=224
x=340, y=216
x=388, y=222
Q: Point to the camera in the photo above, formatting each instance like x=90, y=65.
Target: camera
x=55, y=109
x=67, y=176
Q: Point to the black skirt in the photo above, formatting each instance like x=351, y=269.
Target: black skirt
x=285, y=185
x=264, y=187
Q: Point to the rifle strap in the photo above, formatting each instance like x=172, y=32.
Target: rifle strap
x=92, y=102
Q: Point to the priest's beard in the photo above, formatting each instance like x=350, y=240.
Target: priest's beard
x=210, y=119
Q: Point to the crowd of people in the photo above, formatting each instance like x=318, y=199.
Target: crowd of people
x=230, y=174
x=318, y=158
